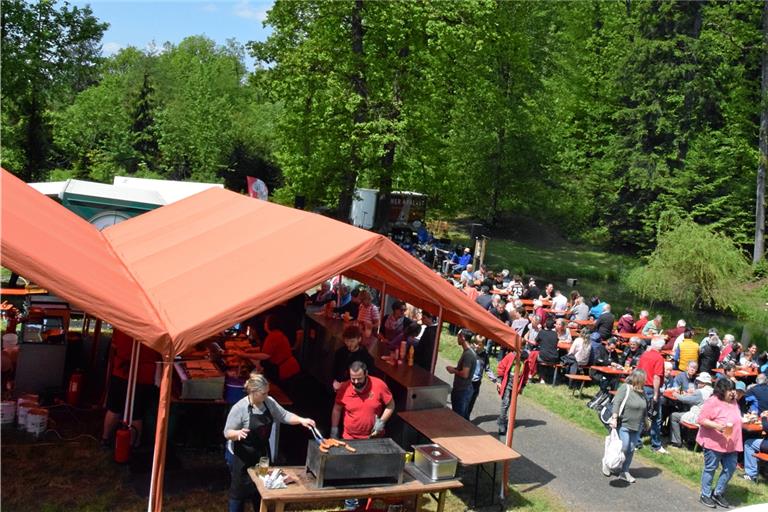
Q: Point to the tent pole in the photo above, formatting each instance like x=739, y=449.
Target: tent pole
x=512, y=413
x=131, y=387
x=382, y=302
x=132, y=383
x=437, y=338
x=155, y=503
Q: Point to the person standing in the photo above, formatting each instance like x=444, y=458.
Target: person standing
x=461, y=393
x=367, y=311
x=478, y=345
x=351, y=351
x=504, y=380
x=720, y=438
x=247, y=429
x=425, y=348
x=365, y=403
x=145, y=393
x=652, y=364
x=629, y=419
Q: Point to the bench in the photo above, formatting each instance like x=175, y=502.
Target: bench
x=575, y=377
x=555, y=369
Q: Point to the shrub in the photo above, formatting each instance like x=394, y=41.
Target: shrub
x=693, y=267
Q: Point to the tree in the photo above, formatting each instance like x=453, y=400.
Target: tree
x=50, y=53
x=759, y=251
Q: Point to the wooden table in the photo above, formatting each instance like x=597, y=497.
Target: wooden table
x=468, y=442
x=752, y=427
x=305, y=491
x=610, y=370
x=741, y=373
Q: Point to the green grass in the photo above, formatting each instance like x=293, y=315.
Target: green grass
x=557, y=263
x=683, y=463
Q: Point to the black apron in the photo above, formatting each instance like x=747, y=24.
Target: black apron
x=248, y=452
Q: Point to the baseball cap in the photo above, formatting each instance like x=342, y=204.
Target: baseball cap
x=705, y=378
x=740, y=386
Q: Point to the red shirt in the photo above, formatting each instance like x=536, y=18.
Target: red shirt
x=121, y=361
x=278, y=347
x=362, y=407
x=640, y=324
x=652, y=362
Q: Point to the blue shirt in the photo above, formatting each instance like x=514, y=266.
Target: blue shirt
x=596, y=311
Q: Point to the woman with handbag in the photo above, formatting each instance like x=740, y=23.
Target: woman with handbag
x=629, y=419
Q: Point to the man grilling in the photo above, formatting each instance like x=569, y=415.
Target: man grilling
x=366, y=403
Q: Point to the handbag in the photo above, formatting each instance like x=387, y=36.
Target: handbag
x=613, y=455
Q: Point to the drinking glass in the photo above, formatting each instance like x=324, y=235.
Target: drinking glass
x=263, y=466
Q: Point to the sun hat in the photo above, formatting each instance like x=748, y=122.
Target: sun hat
x=705, y=378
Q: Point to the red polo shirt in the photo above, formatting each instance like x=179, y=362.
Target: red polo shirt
x=652, y=363
x=362, y=407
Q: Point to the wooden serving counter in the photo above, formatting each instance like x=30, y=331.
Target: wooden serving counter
x=304, y=490
x=413, y=387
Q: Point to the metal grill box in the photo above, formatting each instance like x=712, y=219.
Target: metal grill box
x=376, y=462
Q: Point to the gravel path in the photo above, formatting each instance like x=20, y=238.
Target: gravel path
x=571, y=470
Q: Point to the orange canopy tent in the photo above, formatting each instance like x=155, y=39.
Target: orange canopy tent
x=181, y=273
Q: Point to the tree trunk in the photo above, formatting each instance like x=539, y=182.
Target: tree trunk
x=359, y=87
x=759, y=252
x=388, y=159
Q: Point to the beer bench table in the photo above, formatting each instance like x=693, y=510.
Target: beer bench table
x=304, y=490
x=470, y=444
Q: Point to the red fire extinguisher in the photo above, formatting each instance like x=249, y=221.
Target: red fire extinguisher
x=122, y=443
x=75, y=387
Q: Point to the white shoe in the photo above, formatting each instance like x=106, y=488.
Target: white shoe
x=606, y=471
x=629, y=478
x=661, y=450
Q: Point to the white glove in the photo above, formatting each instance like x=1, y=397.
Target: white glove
x=378, y=426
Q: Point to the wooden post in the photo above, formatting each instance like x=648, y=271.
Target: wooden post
x=382, y=302
x=437, y=338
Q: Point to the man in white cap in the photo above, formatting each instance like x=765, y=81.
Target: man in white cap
x=694, y=400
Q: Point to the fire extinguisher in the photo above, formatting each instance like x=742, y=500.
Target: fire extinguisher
x=123, y=443
x=75, y=387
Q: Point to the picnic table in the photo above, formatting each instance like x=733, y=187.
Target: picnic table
x=610, y=370
x=741, y=372
x=305, y=490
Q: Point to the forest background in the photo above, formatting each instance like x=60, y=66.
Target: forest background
x=617, y=121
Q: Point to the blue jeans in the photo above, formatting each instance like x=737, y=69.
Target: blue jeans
x=656, y=421
x=629, y=439
x=460, y=399
x=239, y=505
x=712, y=459
x=751, y=446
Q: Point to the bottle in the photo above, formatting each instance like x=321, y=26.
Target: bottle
x=403, y=350
x=410, y=356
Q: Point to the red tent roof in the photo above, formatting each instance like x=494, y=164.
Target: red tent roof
x=188, y=270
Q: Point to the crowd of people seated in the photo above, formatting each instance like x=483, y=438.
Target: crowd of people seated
x=574, y=334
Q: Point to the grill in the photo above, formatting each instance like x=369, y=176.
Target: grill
x=376, y=462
